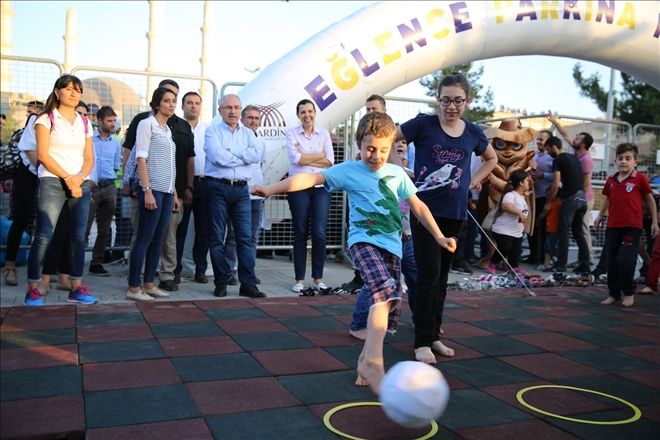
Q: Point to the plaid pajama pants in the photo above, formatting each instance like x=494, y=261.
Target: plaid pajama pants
x=381, y=274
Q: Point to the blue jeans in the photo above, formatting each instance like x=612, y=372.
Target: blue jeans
x=226, y=204
x=257, y=208
x=150, y=231
x=309, y=210
x=52, y=194
x=409, y=271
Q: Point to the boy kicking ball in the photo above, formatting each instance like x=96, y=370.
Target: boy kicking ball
x=374, y=187
x=625, y=191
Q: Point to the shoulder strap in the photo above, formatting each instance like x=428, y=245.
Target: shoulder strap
x=51, y=117
x=85, y=122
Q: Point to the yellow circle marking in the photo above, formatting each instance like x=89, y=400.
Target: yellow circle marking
x=637, y=414
x=336, y=409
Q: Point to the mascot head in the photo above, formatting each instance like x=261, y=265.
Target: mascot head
x=510, y=141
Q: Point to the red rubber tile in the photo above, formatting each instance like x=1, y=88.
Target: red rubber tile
x=51, y=417
x=233, y=396
x=38, y=357
x=554, y=341
x=330, y=338
x=131, y=374
x=528, y=429
x=553, y=400
x=649, y=353
x=651, y=412
x=242, y=326
x=302, y=361
x=114, y=333
x=648, y=334
x=192, y=429
x=199, y=346
x=21, y=319
x=550, y=366
x=650, y=378
x=471, y=315
x=171, y=312
x=555, y=324
x=292, y=309
x=109, y=308
x=231, y=303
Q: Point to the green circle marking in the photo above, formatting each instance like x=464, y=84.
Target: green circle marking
x=637, y=414
x=336, y=409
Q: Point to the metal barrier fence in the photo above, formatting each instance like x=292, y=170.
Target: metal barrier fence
x=126, y=91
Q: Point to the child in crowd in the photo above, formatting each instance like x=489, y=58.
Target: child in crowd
x=374, y=187
x=508, y=227
x=551, y=244
x=625, y=192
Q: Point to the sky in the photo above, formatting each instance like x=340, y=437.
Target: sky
x=250, y=35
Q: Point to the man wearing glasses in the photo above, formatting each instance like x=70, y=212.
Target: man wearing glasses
x=231, y=149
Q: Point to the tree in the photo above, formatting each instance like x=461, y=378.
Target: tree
x=482, y=100
x=637, y=102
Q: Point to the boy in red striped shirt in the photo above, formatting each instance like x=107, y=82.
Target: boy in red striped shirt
x=625, y=191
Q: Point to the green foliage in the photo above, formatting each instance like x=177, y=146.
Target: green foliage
x=482, y=99
x=637, y=102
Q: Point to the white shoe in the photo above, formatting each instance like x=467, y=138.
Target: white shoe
x=298, y=287
x=156, y=292
x=319, y=286
x=138, y=296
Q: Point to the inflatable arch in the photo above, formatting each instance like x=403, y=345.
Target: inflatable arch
x=389, y=44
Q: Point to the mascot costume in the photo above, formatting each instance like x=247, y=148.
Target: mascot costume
x=510, y=143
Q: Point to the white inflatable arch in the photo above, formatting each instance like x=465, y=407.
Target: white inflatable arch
x=390, y=44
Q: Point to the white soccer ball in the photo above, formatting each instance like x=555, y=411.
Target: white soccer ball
x=414, y=393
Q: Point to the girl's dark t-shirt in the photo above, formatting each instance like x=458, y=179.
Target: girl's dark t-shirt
x=442, y=164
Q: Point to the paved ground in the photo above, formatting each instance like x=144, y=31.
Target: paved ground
x=203, y=368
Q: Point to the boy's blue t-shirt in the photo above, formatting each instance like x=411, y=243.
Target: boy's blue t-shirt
x=442, y=164
x=373, y=200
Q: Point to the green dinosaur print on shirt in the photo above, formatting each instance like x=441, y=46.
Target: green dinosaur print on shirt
x=377, y=223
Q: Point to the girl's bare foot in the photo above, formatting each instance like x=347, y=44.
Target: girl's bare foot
x=359, y=334
x=442, y=349
x=647, y=290
x=425, y=354
x=628, y=301
x=609, y=300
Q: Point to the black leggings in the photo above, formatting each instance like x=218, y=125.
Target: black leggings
x=509, y=246
x=23, y=202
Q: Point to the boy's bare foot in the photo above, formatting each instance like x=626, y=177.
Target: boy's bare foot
x=442, y=349
x=609, y=300
x=370, y=372
x=359, y=334
x=425, y=354
x=628, y=301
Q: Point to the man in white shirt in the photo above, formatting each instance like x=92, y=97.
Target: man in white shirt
x=192, y=107
x=231, y=149
x=250, y=117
